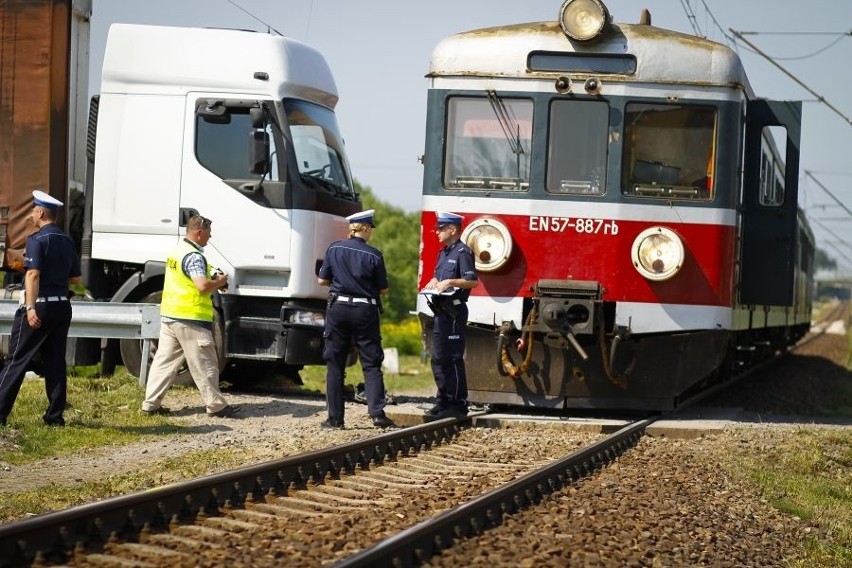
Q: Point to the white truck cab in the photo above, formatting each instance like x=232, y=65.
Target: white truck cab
x=240, y=127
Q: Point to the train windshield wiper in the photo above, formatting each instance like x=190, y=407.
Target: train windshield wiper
x=510, y=126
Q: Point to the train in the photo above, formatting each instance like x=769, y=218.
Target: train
x=632, y=207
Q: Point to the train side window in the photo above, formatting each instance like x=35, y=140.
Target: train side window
x=577, y=147
x=772, y=167
x=488, y=143
x=669, y=151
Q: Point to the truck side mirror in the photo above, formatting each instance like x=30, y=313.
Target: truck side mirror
x=213, y=111
x=258, y=117
x=259, y=152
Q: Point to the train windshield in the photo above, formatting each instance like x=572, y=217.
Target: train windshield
x=318, y=147
x=576, y=160
x=668, y=151
x=488, y=143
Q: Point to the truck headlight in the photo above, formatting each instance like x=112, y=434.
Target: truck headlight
x=303, y=317
x=657, y=253
x=491, y=243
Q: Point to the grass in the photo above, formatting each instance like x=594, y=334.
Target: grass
x=100, y=412
x=148, y=475
x=106, y=411
x=413, y=376
x=807, y=474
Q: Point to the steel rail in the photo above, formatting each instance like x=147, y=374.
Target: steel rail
x=415, y=545
x=53, y=537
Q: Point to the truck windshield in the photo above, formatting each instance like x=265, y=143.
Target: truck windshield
x=318, y=147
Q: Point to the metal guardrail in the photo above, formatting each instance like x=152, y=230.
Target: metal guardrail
x=112, y=320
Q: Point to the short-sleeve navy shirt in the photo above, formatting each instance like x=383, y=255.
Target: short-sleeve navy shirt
x=456, y=261
x=354, y=268
x=52, y=252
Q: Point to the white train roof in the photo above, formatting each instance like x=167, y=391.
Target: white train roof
x=503, y=52
x=174, y=60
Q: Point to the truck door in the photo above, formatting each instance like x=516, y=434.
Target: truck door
x=769, y=203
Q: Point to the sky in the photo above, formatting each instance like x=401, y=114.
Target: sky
x=379, y=52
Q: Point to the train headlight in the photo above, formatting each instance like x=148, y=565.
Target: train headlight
x=491, y=243
x=583, y=20
x=657, y=253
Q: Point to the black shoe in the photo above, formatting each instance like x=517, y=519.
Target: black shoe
x=382, y=421
x=161, y=410
x=55, y=422
x=439, y=407
x=333, y=424
x=452, y=409
x=229, y=411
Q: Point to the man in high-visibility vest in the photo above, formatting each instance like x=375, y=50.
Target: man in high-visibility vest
x=186, y=333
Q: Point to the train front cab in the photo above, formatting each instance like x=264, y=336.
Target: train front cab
x=573, y=353
x=572, y=346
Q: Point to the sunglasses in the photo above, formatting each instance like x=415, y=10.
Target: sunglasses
x=205, y=222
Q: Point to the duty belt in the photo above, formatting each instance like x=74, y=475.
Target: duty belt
x=356, y=300
x=52, y=299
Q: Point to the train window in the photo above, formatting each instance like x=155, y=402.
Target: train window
x=488, y=143
x=576, y=152
x=771, y=167
x=669, y=151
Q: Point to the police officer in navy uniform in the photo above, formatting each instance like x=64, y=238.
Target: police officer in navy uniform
x=455, y=272
x=41, y=323
x=356, y=275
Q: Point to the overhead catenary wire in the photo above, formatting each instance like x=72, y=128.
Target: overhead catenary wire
x=812, y=54
x=739, y=35
x=240, y=8
x=818, y=221
x=825, y=189
x=833, y=234
x=793, y=77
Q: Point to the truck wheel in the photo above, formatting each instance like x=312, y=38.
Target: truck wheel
x=131, y=349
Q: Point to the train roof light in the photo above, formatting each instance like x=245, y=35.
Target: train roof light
x=583, y=20
x=657, y=253
x=491, y=244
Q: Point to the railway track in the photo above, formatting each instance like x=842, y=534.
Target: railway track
x=399, y=497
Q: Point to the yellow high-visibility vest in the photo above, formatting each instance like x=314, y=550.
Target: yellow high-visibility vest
x=181, y=298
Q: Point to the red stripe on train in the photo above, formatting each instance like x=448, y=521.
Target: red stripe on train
x=563, y=251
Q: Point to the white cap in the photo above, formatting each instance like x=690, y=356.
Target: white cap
x=44, y=200
x=362, y=217
x=444, y=217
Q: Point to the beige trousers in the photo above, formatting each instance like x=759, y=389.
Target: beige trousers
x=194, y=344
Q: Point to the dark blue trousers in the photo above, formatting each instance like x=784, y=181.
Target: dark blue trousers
x=347, y=324
x=447, y=345
x=25, y=342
